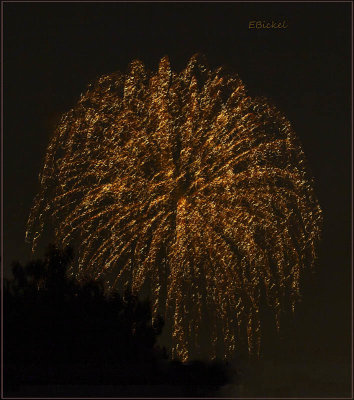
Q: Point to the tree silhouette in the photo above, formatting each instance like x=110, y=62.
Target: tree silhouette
x=61, y=331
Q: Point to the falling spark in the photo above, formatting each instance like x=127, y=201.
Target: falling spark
x=184, y=181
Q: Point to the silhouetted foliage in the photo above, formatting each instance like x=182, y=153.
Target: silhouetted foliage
x=60, y=331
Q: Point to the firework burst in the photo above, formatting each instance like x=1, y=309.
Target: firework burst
x=183, y=180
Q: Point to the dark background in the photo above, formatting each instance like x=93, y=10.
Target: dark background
x=53, y=50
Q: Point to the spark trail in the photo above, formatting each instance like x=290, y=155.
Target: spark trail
x=185, y=181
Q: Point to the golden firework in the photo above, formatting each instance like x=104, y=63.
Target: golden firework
x=184, y=181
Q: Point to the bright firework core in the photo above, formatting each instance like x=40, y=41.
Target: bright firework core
x=184, y=182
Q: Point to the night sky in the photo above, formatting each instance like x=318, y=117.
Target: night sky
x=52, y=51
